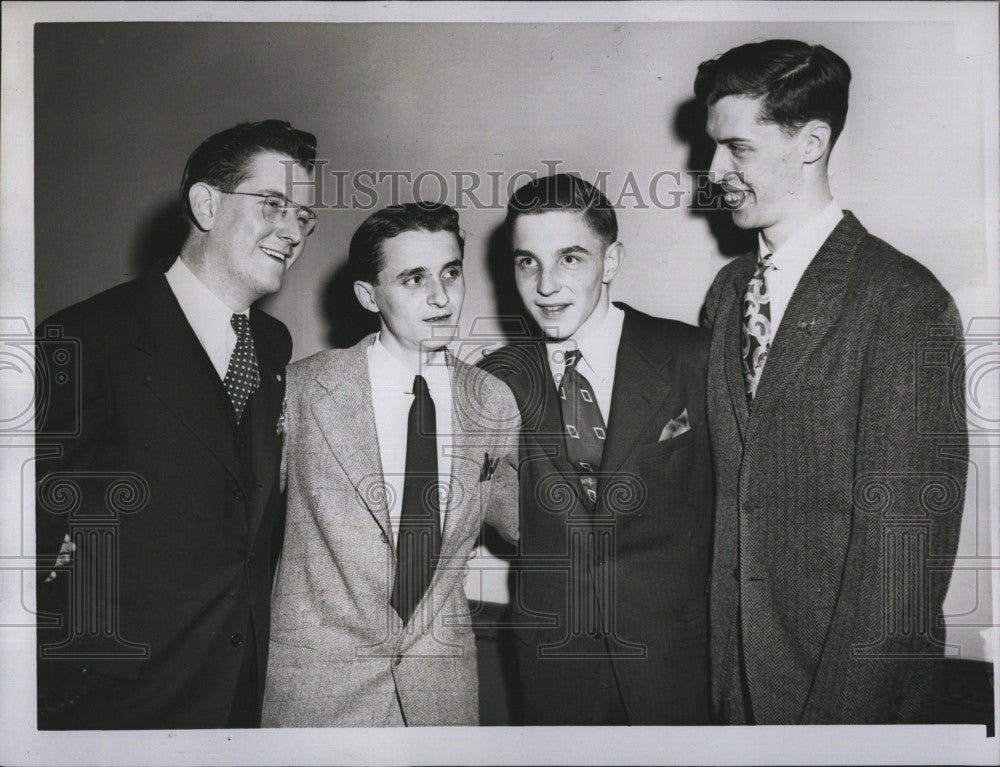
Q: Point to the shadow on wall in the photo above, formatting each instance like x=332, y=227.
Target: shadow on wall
x=513, y=319
x=158, y=240
x=347, y=322
x=689, y=127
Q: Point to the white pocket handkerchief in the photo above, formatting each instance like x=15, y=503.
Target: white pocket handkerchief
x=676, y=426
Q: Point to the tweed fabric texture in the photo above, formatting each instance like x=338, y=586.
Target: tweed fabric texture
x=340, y=655
x=839, y=495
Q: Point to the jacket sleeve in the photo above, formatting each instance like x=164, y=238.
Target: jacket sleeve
x=880, y=661
x=502, y=507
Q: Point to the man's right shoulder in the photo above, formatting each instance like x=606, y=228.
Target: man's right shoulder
x=510, y=360
x=328, y=360
x=112, y=310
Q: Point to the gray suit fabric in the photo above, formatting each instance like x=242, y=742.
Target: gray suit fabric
x=839, y=494
x=340, y=655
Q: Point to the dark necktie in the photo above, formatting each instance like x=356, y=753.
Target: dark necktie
x=243, y=376
x=584, y=424
x=418, y=544
x=757, y=334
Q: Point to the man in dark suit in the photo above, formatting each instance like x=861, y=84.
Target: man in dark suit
x=836, y=417
x=157, y=496
x=609, y=603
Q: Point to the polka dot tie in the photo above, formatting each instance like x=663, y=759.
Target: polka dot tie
x=243, y=376
x=584, y=425
x=757, y=333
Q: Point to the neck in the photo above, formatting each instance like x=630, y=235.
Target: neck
x=195, y=258
x=808, y=204
x=409, y=356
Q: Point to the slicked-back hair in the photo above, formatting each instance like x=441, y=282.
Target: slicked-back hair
x=365, y=255
x=565, y=191
x=223, y=160
x=796, y=82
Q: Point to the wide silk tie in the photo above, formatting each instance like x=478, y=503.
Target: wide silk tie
x=585, y=431
x=243, y=376
x=418, y=543
x=757, y=332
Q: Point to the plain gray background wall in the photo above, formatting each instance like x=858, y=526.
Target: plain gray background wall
x=120, y=106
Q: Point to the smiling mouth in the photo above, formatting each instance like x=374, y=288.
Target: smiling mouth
x=277, y=255
x=552, y=310
x=438, y=318
x=734, y=198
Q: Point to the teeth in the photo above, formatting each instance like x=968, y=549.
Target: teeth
x=274, y=253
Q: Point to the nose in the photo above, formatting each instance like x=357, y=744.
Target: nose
x=547, y=282
x=717, y=169
x=437, y=295
x=288, y=228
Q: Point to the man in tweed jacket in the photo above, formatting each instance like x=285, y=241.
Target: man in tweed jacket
x=341, y=654
x=836, y=417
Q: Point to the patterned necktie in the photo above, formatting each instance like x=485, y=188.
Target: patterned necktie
x=418, y=543
x=585, y=430
x=757, y=334
x=243, y=376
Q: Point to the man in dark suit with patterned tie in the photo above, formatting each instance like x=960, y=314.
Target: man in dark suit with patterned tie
x=608, y=588
x=836, y=416
x=158, y=456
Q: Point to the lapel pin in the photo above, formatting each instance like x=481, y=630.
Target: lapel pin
x=807, y=326
x=277, y=377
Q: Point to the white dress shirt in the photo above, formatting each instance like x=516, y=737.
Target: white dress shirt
x=392, y=396
x=793, y=257
x=598, y=346
x=207, y=315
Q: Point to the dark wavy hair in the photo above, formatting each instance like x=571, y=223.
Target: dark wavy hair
x=365, y=254
x=223, y=160
x=797, y=82
x=565, y=191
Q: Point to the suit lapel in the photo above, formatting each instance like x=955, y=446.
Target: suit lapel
x=541, y=411
x=470, y=447
x=264, y=410
x=181, y=375
x=638, y=391
x=813, y=310
x=346, y=418
x=730, y=325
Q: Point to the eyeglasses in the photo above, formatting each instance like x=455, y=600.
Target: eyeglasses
x=275, y=210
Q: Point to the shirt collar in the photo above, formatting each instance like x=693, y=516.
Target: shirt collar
x=801, y=247
x=390, y=374
x=597, y=344
x=205, y=311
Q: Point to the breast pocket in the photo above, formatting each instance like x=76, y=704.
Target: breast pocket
x=668, y=446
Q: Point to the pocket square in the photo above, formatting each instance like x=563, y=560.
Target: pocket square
x=676, y=426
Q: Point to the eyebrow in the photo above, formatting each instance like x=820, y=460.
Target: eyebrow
x=569, y=250
x=420, y=271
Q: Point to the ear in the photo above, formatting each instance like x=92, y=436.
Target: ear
x=204, y=205
x=365, y=293
x=815, y=136
x=613, y=258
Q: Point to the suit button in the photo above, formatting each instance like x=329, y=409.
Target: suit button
x=238, y=495
x=236, y=640
x=383, y=537
x=397, y=659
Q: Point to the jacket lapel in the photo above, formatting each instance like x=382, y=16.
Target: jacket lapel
x=180, y=374
x=346, y=418
x=638, y=391
x=813, y=310
x=264, y=410
x=471, y=438
x=541, y=412
x=730, y=325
